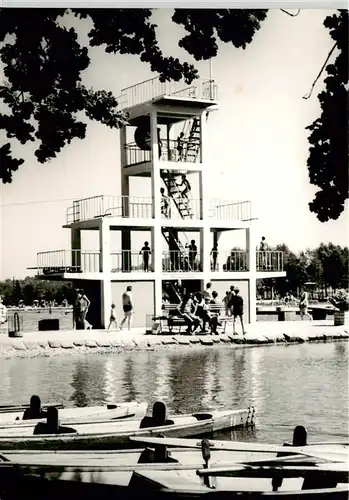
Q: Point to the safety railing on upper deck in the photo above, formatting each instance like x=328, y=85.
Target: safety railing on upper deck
x=142, y=92
x=68, y=261
x=271, y=260
x=176, y=261
x=126, y=261
x=190, y=153
x=115, y=206
x=234, y=261
x=230, y=210
x=135, y=155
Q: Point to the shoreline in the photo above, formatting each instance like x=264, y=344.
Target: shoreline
x=60, y=342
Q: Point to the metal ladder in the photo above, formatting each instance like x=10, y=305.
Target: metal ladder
x=193, y=142
x=175, y=194
x=182, y=205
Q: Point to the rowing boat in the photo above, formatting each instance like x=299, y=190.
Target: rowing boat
x=168, y=481
x=113, y=434
x=87, y=414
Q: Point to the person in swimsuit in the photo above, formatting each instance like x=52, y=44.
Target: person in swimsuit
x=237, y=309
x=112, y=317
x=180, y=146
x=165, y=204
x=145, y=251
x=127, y=305
x=185, y=184
x=84, y=306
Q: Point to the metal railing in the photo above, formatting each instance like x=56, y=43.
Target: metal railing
x=169, y=151
x=68, y=261
x=137, y=207
x=127, y=261
x=104, y=205
x=235, y=261
x=150, y=89
x=271, y=260
x=175, y=261
x=135, y=155
x=141, y=207
x=230, y=210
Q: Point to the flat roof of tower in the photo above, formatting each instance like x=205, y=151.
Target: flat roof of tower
x=201, y=93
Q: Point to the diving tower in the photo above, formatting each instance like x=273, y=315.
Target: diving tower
x=164, y=139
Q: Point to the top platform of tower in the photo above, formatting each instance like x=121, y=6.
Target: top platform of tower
x=175, y=101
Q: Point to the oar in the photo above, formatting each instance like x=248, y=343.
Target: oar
x=340, y=473
x=340, y=456
x=22, y=407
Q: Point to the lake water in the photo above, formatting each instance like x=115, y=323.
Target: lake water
x=289, y=385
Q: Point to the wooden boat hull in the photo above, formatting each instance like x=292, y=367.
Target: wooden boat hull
x=16, y=483
x=70, y=416
x=111, y=435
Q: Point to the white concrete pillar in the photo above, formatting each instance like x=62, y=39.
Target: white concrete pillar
x=105, y=269
x=156, y=185
x=204, y=189
x=158, y=296
x=106, y=300
x=251, y=263
x=125, y=184
x=205, y=250
x=75, y=245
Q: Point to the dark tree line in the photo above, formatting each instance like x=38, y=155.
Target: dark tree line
x=327, y=266
x=30, y=289
x=43, y=97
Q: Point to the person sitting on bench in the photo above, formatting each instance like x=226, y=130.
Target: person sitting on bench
x=202, y=310
x=52, y=424
x=34, y=411
x=187, y=309
x=158, y=418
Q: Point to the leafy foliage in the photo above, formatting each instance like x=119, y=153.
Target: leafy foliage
x=44, y=64
x=7, y=163
x=30, y=289
x=328, y=153
x=207, y=26
x=326, y=266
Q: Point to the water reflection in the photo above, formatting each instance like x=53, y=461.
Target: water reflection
x=298, y=384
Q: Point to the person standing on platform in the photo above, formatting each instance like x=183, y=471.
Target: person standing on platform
x=180, y=146
x=159, y=143
x=238, y=309
x=214, y=254
x=193, y=251
x=263, y=248
x=127, y=305
x=145, y=251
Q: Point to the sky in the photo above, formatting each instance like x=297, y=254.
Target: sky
x=257, y=150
